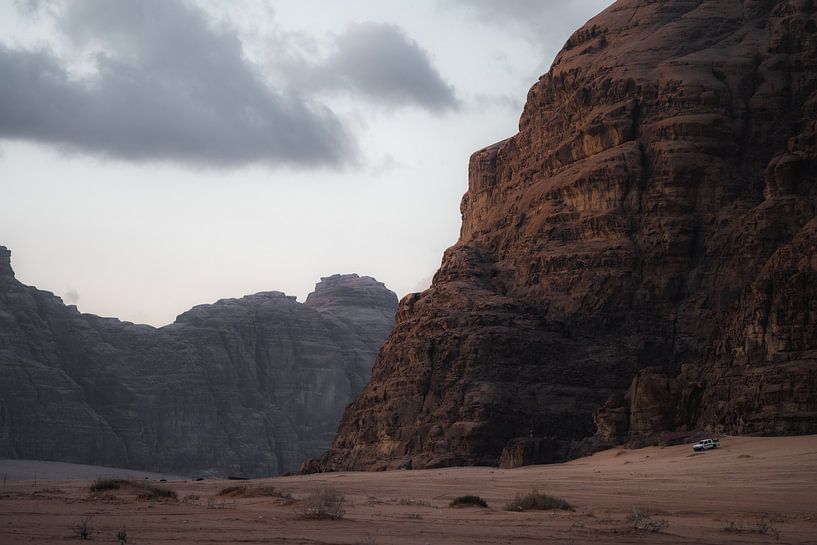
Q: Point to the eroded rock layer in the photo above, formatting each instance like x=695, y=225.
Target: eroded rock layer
x=640, y=257
x=249, y=386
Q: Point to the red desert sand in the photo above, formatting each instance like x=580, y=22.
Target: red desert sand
x=752, y=490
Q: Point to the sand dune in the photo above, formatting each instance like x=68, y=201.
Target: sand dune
x=20, y=470
x=765, y=488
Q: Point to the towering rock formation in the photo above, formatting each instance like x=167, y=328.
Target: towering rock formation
x=639, y=257
x=253, y=385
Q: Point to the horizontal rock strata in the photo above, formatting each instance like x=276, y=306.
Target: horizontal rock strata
x=639, y=258
x=249, y=386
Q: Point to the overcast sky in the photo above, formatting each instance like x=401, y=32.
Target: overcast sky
x=158, y=154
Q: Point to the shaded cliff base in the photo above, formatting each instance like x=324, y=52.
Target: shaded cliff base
x=750, y=481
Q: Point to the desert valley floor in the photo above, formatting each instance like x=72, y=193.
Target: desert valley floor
x=752, y=490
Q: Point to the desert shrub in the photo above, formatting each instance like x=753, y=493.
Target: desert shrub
x=272, y=492
x=326, y=503
x=50, y=491
x=762, y=526
x=83, y=530
x=243, y=491
x=411, y=502
x=646, y=523
x=104, y=485
x=146, y=490
x=155, y=492
x=122, y=536
x=467, y=500
x=213, y=504
x=232, y=491
x=537, y=501
x=730, y=526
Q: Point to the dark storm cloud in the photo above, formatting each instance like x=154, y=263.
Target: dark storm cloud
x=543, y=21
x=380, y=62
x=167, y=86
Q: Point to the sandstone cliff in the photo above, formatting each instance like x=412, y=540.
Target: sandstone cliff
x=640, y=257
x=244, y=386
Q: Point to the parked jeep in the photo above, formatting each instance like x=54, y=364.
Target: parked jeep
x=706, y=444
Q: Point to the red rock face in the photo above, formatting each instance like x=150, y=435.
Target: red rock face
x=656, y=209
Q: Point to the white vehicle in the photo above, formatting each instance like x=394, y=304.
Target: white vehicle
x=706, y=444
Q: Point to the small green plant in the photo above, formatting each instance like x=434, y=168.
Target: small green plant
x=83, y=530
x=537, y=501
x=326, y=503
x=468, y=500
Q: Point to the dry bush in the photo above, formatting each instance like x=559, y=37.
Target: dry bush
x=646, y=523
x=468, y=500
x=763, y=526
x=50, y=491
x=537, y=501
x=326, y=503
x=190, y=499
x=155, y=492
x=83, y=530
x=243, y=491
x=411, y=502
x=213, y=504
x=104, y=485
x=144, y=489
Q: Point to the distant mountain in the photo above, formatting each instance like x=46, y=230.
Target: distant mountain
x=249, y=386
x=639, y=258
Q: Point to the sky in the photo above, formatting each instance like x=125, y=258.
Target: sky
x=159, y=154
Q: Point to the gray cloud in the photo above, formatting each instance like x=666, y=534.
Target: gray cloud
x=167, y=86
x=379, y=61
x=482, y=100
x=30, y=7
x=540, y=21
x=373, y=61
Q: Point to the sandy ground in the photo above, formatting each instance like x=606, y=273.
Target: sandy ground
x=771, y=481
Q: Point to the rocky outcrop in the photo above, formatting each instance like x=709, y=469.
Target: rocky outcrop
x=647, y=238
x=248, y=386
